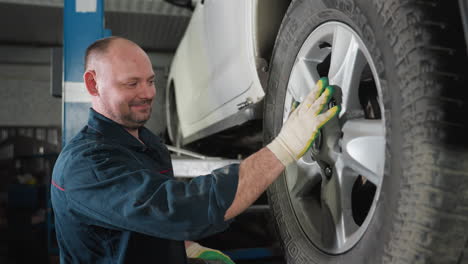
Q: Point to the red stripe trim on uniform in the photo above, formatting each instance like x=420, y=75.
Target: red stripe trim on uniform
x=164, y=171
x=58, y=187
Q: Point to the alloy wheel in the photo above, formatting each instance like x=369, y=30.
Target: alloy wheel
x=335, y=186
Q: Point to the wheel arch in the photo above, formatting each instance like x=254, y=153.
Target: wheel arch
x=170, y=87
x=267, y=18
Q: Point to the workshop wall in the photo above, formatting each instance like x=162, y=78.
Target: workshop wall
x=28, y=103
x=25, y=88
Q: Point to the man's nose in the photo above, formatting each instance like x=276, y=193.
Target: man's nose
x=147, y=91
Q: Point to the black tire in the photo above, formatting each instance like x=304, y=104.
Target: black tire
x=420, y=55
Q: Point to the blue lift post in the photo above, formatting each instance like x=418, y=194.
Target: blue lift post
x=83, y=23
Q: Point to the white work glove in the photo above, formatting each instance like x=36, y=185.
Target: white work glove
x=196, y=250
x=303, y=124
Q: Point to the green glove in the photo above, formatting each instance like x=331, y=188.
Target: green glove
x=196, y=250
x=303, y=124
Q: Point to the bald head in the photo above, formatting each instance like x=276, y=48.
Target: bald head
x=101, y=47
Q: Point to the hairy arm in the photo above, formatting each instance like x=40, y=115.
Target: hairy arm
x=256, y=173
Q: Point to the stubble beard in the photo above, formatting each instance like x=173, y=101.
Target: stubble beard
x=130, y=119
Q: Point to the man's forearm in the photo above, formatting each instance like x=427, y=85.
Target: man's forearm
x=256, y=173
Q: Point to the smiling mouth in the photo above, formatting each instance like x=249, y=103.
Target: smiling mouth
x=141, y=106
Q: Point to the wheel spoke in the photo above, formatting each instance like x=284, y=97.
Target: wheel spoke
x=363, y=148
x=288, y=101
x=346, y=226
x=337, y=218
x=308, y=176
x=346, y=67
x=303, y=78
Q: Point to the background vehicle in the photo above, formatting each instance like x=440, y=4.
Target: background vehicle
x=387, y=181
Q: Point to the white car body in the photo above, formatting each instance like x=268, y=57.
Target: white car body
x=214, y=70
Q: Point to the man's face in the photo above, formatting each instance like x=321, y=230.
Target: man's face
x=125, y=81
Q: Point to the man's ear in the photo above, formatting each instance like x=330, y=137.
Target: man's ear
x=90, y=82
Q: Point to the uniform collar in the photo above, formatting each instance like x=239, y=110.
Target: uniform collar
x=116, y=132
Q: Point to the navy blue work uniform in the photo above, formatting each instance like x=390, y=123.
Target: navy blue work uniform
x=116, y=200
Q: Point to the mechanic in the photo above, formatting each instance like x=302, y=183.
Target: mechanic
x=114, y=195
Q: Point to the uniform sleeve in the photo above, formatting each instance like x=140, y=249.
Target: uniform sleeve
x=112, y=188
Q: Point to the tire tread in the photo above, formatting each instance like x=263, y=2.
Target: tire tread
x=432, y=212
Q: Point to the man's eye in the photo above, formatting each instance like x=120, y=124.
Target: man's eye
x=151, y=81
x=133, y=84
